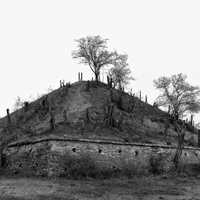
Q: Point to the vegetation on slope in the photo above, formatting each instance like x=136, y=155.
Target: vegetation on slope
x=90, y=109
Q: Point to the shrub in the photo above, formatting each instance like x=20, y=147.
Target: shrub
x=130, y=168
x=82, y=167
x=68, y=84
x=78, y=167
x=108, y=173
x=126, y=139
x=194, y=169
x=191, y=142
x=185, y=168
x=156, y=164
x=189, y=127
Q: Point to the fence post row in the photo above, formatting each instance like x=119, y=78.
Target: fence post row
x=80, y=76
x=109, y=82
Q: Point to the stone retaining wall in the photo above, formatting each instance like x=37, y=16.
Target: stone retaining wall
x=44, y=156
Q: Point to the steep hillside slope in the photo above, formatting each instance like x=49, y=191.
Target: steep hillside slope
x=87, y=110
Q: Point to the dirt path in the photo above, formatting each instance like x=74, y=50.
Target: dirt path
x=139, y=188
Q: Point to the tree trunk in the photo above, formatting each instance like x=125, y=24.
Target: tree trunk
x=120, y=86
x=97, y=76
x=199, y=138
x=52, y=121
x=181, y=134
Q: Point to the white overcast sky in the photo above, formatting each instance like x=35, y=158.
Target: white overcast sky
x=161, y=37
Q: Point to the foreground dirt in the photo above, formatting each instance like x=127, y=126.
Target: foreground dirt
x=138, y=188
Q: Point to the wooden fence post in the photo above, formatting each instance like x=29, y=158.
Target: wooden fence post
x=199, y=138
x=191, y=120
x=8, y=116
x=81, y=76
x=169, y=109
x=146, y=99
x=52, y=121
x=108, y=80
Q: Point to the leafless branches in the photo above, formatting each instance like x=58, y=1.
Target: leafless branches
x=180, y=95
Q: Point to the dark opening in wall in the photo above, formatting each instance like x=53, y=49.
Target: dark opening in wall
x=119, y=150
x=113, y=167
x=185, y=154
x=136, y=152
x=74, y=149
x=100, y=150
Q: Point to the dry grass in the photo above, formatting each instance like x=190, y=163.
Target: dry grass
x=140, y=187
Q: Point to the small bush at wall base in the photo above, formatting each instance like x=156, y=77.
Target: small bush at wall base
x=78, y=167
x=130, y=168
x=194, y=169
x=156, y=164
x=185, y=168
x=108, y=173
x=84, y=167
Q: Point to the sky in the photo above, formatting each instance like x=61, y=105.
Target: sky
x=37, y=37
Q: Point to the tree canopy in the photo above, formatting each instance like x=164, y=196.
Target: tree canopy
x=179, y=94
x=92, y=51
x=120, y=73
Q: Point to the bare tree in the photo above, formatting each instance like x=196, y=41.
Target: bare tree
x=182, y=98
x=179, y=94
x=120, y=73
x=92, y=51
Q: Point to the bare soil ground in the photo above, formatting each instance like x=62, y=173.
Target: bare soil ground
x=139, y=188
